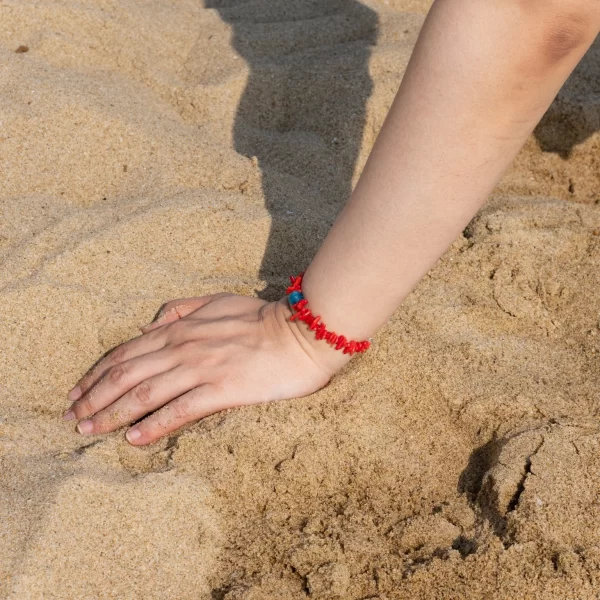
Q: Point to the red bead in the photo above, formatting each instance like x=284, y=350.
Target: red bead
x=320, y=333
x=296, y=282
x=301, y=304
x=341, y=342
x=334, y=338
x=300, y=315
x=350, y=348
x=314, y=324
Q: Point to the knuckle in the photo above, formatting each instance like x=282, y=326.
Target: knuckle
x=188, y=348
x=162, y=420
x=109, y=420
x=182, y=410
x=117, y=374
x=178, y=331
x=118, y=355
x=99, y=426
x=83, y=408
x=216, y=388
x=143, y=393
x=87, y=380
x=213, y=359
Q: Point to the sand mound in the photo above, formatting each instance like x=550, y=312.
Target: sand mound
x=156, y=150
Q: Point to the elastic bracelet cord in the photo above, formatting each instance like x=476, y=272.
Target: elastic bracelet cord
x=300, y=304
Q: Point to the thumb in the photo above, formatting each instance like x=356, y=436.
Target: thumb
x=175, y=310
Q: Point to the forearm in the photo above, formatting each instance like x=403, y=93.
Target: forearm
x=480, y=78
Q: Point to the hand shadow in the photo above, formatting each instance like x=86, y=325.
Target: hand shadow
x=301, y=114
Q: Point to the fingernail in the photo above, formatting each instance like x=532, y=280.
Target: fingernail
x=85, y=427
x=133, y=434
x=69, y=415
x=74, y=394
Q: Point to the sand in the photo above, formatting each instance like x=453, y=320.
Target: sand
x=159, y=149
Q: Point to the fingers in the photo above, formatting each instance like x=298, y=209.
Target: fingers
x=176, y=309
x=142, y=399
x=170, y=312
x=191, y=406
x=133, y=348
x=118, y=380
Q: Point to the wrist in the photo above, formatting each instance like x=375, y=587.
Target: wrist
x=345, y=305
x=328, y=358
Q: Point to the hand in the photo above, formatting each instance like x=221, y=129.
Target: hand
x=200, y=356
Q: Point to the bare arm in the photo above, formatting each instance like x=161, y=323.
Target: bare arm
x=480, y=78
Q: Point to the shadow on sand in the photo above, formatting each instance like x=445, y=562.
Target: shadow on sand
x=302, y=113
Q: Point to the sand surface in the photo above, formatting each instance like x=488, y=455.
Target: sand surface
x=157, y=149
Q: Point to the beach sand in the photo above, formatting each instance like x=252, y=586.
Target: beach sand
x=158, y=149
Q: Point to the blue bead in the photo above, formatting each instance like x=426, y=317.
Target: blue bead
x=295, y=297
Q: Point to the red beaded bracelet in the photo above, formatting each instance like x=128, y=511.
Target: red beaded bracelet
x=299, y=303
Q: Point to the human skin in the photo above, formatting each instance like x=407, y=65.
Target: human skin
x=480, y=78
